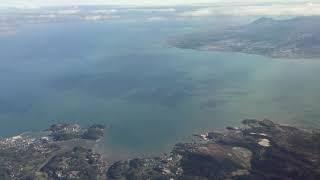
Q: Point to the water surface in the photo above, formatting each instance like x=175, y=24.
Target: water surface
x=150, y=95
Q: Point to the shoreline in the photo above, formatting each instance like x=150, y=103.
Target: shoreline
x=247, y=152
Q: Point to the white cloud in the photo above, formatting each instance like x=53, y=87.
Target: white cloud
x=37, y=3
x=49, y=16
x=198, y=12
x=105, y=11
x=153, y=9
x=30, y=3
x=213, y=7
x=156, y=18
x=99, y=17
x=282, y=9
x=69, y=12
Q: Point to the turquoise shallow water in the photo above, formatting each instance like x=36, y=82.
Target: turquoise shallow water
x=150, y=95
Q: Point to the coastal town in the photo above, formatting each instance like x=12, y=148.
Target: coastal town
x=47, y=155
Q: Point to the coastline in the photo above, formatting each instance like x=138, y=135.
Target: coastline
x=249, y=152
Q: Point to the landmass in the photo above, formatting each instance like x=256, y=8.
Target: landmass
x=260, y=149
x=64, y=151
x=291, y=38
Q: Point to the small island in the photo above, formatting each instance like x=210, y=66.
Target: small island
x=260, y=149
x=295, y=38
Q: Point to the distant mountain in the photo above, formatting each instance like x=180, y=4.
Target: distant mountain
x=293, y=38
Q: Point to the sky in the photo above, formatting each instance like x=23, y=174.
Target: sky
x=40, y=3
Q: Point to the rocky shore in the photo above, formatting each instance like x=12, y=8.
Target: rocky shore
x=258, y=150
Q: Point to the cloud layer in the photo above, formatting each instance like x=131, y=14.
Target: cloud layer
x=211, y=7
x=287, y=9
x=37, y=3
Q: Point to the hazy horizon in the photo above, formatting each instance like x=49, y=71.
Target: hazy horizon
x=40, y=3
x=202, y=8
